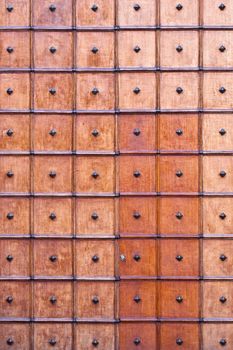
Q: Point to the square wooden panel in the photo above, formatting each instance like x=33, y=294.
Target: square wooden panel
x=53, y=91
x=53, y=258
x=217, y=90
x=178, y=132
x=53, y=216
x=95, y=49
x=138, y=216
x=15, y=299
x=137, y=336
x=137, y=173
x=95, y=174
x=52, y=13
x=136, y=48
x=137, y=299
x=137, y=91
x=95, y=216
x=95, y=91
x=52, y=174
x=15, y=132
x=131, y=13
x=94, y=258
x=216, y=15
x=137, y=132
x=91, y=14
x=183, y=335
x=217, y=336
x=217, y=299
x=90, y=335
x=185, y=13
x=179, y=257
x=14, y=14
x=52, y=132
x=217, y=216
x=14, y=216
x=137, y=257
x=178, y=174
x=179, y=299
x=16, y=335
x=182, y=89
x=14, y=91
x=179, y=216
x=217, y=48
x=179, y=48
x=58, y=336
x=14, y=49
x=95, y=133
x=53, y=299
x=218, y=174
x=14, y=258
x=217, y=257
x=53, y=50
x=217, y=132
x=94, y=300
x=14, y=174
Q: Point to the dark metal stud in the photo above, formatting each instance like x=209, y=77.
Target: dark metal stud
x=95, y=132
x=136, y=90
x=136, y=131
x=179, y=341
x=179, y=132
x=222, y=342
x=179, y=173
x=53, y=258
x=95, y=175
x=9, y=299
x=137, y=7
x=222, y=216
x=95, y=342
x=10, y=49
x=222, y=132
x=179, y=215
x=94, y=8
x=223, y=257
x=53, y=216
x=53, y=132
x=222, y=299
x=10, y=132
x=137, y=257
x=52, y=174
x=9, y=258
x=222, y=173
x=136, y=215
x=222, y=7
x=222, y=48
x=179, y=299
x=10, y=341
x=94, y=216
x=137, y=341
x=137, y=49
x=95, y=258
x=94, y=50
x=95, y=300
x=10, y=173
x=10, y=8
x=95, y=91
x=179, y=7
x=137, y=299
x=9, y=91
x=179, y=48
x=52, y=91
x=52, y=49
x=52, y=8
x=222, y=90
x=53, y=299
x=179, y=257
x=136, y=173
x=179, y=90
x=52, y=341
x=10, y=216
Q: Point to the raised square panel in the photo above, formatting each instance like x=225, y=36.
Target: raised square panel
x=52, y=13
x=14, y=174
x=47, y=336
x=14, y=131
x=131, y=13
x=183, y=335
x=218, y=174
x=217, y=336
x=15, y=299
x=14, y=13
x=216, y=15
x=217, y=90
x=137, y=336
x=90, y=335
x=17, y=335
x=175, y=13
x=218, y=48
x=14, y=49
x=95, y=14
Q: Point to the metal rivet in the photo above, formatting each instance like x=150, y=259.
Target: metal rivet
x=137, y=341
x=95, y=258
x=10, y=132
x=222, y=216
x=137, y=49
x=52, y=49
x=222, y=48
x=95, y=91
x=223, y=257
x=10, y=341
x=222, y=132
x=179, y=341
x=52, y=341
x=136, y=131
x=179, y=90
x=10, y=49
x=94, y=8
x=10, y=216
x=179, y=7
x=222, y=173
x=53, y=216
x=52, y=8
x=10, y=8
x=179, y=299
x=179, y=215
x=179, y=48
x=9, y=299
x=136, y=173
x=222, y=342
x=136, y=90
x=136, y=215
x=179, y=173
x=137, y=7
x=222, y=7
x=53, y=258
x=94, y=216
x=10, y=173
x=95, y=175
x=179, y=132
x=52, y=174
x=95, y=132
x=95, y=342
x=222, y=90
x=53, y=132
x=94, y=50
x=53, y=299
x=52, y=91
x=179, y=257
x=9, y=91
x=137, y=257
x=95, y=300
x=137, y=299
x=9, y=258
x=222, y=299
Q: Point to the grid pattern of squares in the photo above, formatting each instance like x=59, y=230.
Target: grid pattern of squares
x=116, y=174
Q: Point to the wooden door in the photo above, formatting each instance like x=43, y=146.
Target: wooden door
x=116, y=174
